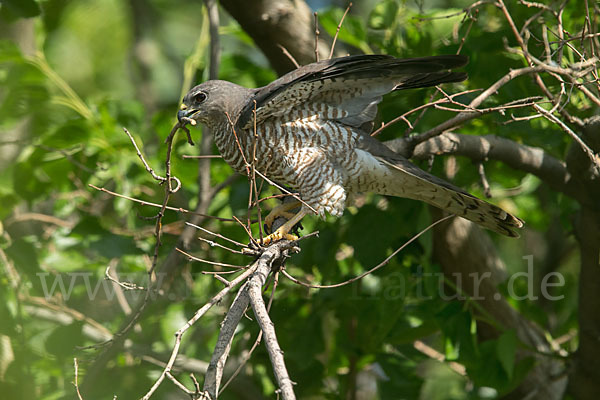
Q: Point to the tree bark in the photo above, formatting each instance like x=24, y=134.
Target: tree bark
x=491, y=147
x=274, y=23
x=584, y=383
x=21, y=32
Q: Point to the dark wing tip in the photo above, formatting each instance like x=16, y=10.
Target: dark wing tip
x=452, y=61
x=457, y=77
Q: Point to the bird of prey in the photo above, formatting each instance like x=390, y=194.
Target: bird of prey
x=313, y=130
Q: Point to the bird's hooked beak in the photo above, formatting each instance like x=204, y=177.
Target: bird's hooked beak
x=184, y=115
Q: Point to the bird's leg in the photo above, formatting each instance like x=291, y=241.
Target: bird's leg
x=282, y=210
x=283, y=231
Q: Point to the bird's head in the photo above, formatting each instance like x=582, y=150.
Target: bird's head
x=209, y=102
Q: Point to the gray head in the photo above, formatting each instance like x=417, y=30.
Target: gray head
x=208, y=102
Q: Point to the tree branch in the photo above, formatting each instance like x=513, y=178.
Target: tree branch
x=518, y=156
x=255, y=284
x=289, y=22
x=214, y=374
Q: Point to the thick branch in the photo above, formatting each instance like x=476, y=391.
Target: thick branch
x=584, y=383
x=518, y=156
x=255, y=284
x=288, y=23
x=214, y=374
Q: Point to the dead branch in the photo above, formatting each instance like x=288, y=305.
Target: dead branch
x=595, y=160
x=199, y=313
x=291, y=23
x=76, y=383
x=468, y=115
x=147, y=203
x=214, y=374
x=337, y=32
x=518, y=156
x=370, y=271
x=255, y=285
x=141, y=156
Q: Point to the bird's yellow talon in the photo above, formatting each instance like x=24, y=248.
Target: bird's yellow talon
x=277, y=236
x=283, y=231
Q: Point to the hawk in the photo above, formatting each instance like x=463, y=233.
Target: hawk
x=313, y=130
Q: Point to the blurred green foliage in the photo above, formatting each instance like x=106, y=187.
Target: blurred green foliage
x=93, y=67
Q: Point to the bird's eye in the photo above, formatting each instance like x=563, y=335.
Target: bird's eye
x=200, y=97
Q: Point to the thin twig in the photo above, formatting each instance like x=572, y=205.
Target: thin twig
x=287, y=192
x=178, y=384
x=586, y=149
x=141, y=156
x=337, y=32
x=527, y=56
x=430, y=104
x=215, y=244
x=253, y=189
x=147, y=203
x=463, y=11
x=247, y=230
x=191, y=257
x=216, y=234
x=195, y=381
x=237, y=141
x=381, y=264
x=436, y=355
x=124, y=285
x=316, y=36
x=464, y=38
x=217, y=273
x=484, y=182
x=199, y=313
x=468, y=115
x=289, y=55
x=76, y=383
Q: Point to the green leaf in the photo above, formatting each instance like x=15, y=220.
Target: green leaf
x=25, y=256
x=14, y=9
x=9, y=52
x=505, y=349
x=352, y=32
x=383, y=15
x=62, y=342
x=370, y=222
x=8, y=201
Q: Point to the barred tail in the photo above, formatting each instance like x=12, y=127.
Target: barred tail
x=420, y=185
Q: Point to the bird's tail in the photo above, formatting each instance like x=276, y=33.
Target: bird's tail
x=420, y=185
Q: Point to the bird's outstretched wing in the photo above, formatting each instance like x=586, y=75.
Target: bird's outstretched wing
x=347, y=89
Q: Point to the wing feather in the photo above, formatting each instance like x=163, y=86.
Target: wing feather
x=348, y=89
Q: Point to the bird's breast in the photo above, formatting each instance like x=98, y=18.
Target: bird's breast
x=283, y=148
